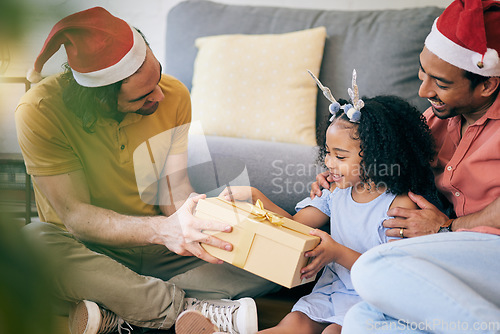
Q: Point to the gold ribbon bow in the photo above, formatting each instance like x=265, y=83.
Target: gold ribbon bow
x=262, y=214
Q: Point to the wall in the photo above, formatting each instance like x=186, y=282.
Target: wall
x=147, y=15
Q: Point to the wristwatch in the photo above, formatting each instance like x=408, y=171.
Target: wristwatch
x=446, y=227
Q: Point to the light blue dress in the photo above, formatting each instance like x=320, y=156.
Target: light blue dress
x=354, y=225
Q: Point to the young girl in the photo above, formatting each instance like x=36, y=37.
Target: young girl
x=376, y=152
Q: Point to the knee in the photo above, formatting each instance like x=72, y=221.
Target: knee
x=353, y=315
x=298, y=322
x=35, y=232
x=373, y=273
x=362, y=271
x=42, y=232
x=39, y=230
x=45, y=237
x=359, y=318
x=34, y=228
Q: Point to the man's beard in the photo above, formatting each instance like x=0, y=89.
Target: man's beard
x=444, y=115
x=149, y=111
x=119, y=115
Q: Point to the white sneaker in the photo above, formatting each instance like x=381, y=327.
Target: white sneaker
x=229, y=316
x=87, y=317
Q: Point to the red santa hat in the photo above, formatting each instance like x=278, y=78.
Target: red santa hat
x=101, y=48
x=467, y=35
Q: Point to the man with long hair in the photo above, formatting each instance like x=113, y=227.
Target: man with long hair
x=106, y=144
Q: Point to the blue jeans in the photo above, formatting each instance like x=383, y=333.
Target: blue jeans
x=441, y=283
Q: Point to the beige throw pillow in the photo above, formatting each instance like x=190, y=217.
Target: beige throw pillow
x=257, y=86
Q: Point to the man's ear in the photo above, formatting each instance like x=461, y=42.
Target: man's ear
x=490, y=86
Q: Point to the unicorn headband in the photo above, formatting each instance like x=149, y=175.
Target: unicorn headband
x=353, y=111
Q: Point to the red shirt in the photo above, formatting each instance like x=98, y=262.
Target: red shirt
x=467, y=169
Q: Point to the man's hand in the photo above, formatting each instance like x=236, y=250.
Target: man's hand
x=183, y=233
x=322, y=182
x=415, y=223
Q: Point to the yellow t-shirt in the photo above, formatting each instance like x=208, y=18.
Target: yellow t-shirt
x=121, y=161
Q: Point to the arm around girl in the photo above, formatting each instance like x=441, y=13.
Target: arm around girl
x=376, y=151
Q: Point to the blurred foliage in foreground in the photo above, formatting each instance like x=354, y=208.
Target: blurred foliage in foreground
x=26, y=283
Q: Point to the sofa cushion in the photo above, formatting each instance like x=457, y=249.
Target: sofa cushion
x=257, y=87
x=383, y=46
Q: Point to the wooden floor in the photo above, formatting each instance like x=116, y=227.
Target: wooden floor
x=272, y=309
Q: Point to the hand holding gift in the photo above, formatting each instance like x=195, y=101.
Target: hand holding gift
x=323, y=254
x=238, y=193
x=264, y=243
x=185, y=233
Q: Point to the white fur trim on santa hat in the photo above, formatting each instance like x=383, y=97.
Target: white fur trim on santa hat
x=34, y=76
x=462, y=57
x=127, y=66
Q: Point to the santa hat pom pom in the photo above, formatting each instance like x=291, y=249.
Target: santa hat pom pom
x=490, y=60
x=34, y=76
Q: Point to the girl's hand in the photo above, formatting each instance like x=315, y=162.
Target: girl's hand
x=323, y=254
x=238, y=193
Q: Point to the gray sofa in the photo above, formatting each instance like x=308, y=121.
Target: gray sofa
x=383, y=46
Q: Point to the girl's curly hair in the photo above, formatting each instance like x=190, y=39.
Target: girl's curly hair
x=396, y=146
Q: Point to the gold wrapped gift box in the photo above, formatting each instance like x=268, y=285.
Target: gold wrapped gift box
x=264, y=243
